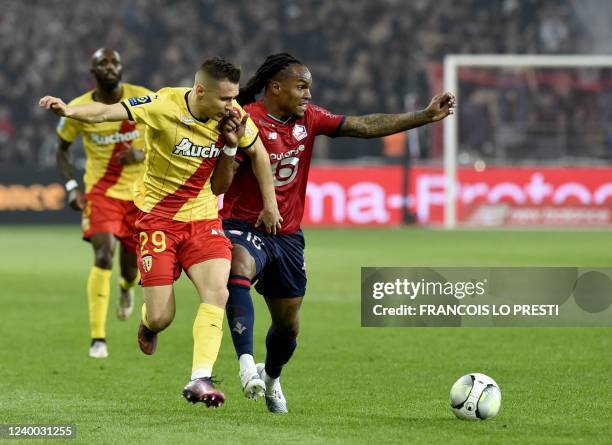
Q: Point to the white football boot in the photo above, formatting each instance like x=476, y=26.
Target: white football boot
x=275, y=399
x=252, y=384
x=126, y=303
x=98, y=350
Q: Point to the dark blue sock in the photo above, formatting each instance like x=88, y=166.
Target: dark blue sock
x=279, y=349
x=240, y=314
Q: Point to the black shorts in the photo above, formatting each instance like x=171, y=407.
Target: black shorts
x=279, y=259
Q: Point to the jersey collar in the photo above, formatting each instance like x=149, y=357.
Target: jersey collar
x=188, y=109
x=275, y=119
x=121, y=96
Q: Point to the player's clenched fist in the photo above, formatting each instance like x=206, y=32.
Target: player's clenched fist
x=54, y=104
x=233, y=128
x=76, y=200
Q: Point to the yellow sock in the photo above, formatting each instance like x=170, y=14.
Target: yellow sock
x=125, y=284
x=207, y=334
x=143, y=316
x=98, y=294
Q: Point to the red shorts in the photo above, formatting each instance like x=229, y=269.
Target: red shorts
x=167, y=247
x=105, y=214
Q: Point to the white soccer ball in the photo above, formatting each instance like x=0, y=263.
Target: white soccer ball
x=475, y=396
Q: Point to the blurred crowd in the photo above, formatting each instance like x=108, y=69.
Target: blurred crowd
x=558, y=115
x=366, y=56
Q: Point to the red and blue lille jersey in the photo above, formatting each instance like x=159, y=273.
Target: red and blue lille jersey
x=289, y=145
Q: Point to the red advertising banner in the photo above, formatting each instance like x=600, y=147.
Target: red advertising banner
x=492, y=197
x=373, y=196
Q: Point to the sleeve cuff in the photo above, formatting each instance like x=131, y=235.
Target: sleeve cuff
x=63, y=138
x=337, y=130
x=130, y=117
x=251, y=144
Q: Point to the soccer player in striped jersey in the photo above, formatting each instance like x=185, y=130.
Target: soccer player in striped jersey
x=288, y=124
x=114, y=153
x=192, y=135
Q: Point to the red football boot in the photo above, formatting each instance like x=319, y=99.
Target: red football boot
x=203, y=390
x=147, y=339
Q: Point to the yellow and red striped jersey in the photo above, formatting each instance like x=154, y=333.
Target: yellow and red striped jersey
x=182, y=152
x=102, y=143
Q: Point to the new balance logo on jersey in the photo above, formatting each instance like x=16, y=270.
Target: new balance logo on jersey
x=187, y=120
x=101, y=139
x=188, y=148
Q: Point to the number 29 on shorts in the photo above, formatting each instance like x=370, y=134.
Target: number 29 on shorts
x=157, y=242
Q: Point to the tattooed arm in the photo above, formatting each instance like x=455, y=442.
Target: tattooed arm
x=377, y=125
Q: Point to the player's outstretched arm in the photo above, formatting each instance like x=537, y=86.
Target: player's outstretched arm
x=92, y=112
x=269, y=215
x=378, y=125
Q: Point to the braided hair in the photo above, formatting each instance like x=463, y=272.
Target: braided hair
x=273, y=65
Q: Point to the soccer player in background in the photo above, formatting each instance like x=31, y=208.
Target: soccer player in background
x=288, y=124
x=115, y=158
x=189, y=162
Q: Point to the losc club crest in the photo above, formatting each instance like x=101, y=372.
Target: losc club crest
x=299, y=132
x=147, y=262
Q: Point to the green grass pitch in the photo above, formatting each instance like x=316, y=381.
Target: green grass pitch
x=345, y=384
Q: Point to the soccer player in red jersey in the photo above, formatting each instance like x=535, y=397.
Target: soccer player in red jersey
x=189, y=162
x=288, y=124
x=114, y=164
